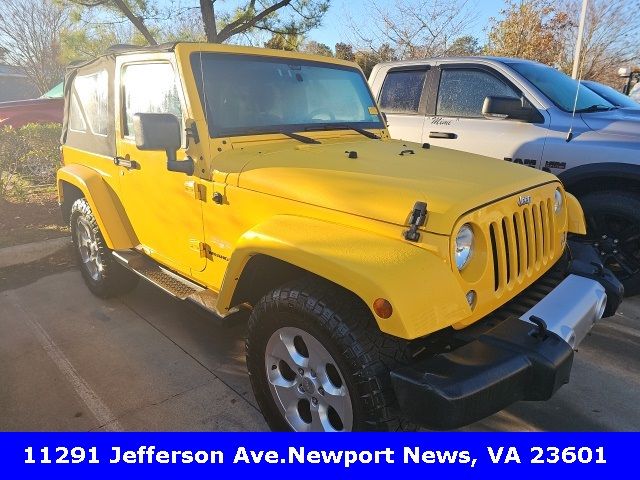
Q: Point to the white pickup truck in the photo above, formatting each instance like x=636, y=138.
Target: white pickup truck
x=523, y=112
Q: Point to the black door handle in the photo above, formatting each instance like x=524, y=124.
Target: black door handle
x=442, y=135
x=126, y=163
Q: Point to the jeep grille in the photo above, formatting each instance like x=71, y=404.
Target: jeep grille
x=521, y=242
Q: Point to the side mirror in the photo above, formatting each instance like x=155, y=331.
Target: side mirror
x=624, y=72
x=509, y=108
x=161, y=131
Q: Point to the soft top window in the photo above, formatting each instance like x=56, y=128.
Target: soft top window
x=92, y=91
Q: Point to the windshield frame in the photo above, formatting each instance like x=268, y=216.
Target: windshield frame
x=215, y=132
x=517, y=63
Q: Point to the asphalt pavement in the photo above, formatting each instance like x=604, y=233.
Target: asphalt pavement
x=72, y=362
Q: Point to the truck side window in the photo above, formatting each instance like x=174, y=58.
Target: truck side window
x=141, y=95
x=462, y=92
x=402, y=90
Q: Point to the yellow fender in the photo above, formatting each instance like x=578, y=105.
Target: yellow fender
x=420, y=286
x=577, y=223
x=105, y=205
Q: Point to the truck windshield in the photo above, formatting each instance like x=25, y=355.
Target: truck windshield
x=560, y=88
x=611, y=94
x=244, y=95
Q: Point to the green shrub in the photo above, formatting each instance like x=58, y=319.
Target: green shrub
x=30, y=153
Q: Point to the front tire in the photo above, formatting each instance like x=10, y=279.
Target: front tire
x=318, y=362
x=613, y=226
x=103, y=275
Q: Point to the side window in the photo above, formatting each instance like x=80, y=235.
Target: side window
x=149, y=88
x=76, y=122
x=462, y=92
x=92, y=91
x=401, y=91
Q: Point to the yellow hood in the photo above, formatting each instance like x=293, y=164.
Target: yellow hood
x=381, y=183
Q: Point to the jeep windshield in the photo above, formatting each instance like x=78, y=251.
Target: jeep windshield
x=560, y=88
x=249, y=95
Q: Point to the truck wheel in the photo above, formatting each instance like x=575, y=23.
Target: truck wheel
x=613, y=225
x=318, y=362
x=103, y=275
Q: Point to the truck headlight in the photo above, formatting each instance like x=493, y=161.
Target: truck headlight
x=464, y=246
x=557, y=201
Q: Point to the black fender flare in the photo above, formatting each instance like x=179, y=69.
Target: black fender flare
x=623, y=172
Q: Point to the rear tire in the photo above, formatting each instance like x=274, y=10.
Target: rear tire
x=317, y=361
x=103, y=275
x=613, y=226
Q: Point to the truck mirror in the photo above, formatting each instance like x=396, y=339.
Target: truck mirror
x=508, y=108
x=161, y=131
x=624, y=72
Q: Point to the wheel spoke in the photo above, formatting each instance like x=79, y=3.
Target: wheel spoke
x=319, y=420
x=285, y=350
x=626, y=264
x=288, y=395
x=336, y=397
x=630, y=233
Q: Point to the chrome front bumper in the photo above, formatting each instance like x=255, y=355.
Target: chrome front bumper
x=571, y=309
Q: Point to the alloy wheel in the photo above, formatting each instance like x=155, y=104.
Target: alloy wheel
x=306, y=383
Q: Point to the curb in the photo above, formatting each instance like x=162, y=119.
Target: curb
x=30, y=252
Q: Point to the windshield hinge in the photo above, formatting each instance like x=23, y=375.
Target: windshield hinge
x=417, y=218
x=205, y=251
x=192, y=131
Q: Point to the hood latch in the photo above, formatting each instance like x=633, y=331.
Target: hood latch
x=417, y=219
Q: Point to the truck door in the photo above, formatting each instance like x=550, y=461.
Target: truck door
x=454, y=117
x=162, y=206
x=402, y=99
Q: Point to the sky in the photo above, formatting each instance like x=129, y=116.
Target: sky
x=334, y=30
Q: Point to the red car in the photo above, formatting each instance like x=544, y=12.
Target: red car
x=47, y=108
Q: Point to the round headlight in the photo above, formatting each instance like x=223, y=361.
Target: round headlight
x=557, y=201
x=464, y=246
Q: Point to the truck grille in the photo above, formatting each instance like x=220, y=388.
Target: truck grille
x=521, y=243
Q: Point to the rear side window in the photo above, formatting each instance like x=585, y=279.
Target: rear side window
x=92, y=91
x=76, y=122
x=149, y=88
x=462, y=92
x=402, y=90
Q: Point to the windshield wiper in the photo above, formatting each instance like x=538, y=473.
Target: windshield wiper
x=595, y=108
x=342, y=126
x=296, y=136
x=286, y=133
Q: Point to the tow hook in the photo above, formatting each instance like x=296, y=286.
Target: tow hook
x=542, y=327
x=417, y=219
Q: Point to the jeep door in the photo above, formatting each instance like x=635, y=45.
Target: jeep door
x=161, y=205
x=454, y=116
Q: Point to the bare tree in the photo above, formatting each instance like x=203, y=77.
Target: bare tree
x=30, y=38
x=612, y=29
x=412, y=28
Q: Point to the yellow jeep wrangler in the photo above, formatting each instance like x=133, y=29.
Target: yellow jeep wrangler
x=387, y=286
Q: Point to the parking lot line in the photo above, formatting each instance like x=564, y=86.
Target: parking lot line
x=89, y=397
